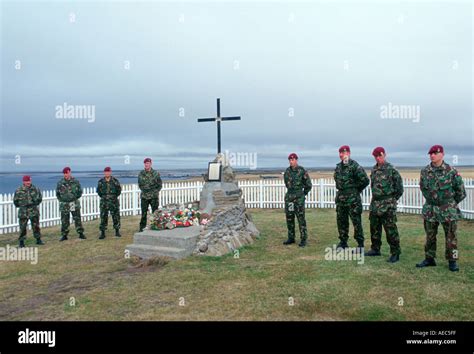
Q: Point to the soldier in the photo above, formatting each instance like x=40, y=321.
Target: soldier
x=68, y=192
x=27, y=198
x=443, y=189
x=387, y=187
x=351, y=180
x=149, y=182
x=109, y=190
x=298, y=183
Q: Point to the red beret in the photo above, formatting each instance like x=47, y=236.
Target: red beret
x=436, y=148
x=378, y=151
x=345, y=148
x=107, y=169
x=147, y=160
x=292, y=156
x=66, y=169
x=26, y=178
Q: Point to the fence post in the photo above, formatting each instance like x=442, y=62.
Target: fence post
x=134, y=199
x=198, y=192
x=260, y=197
x=321, y=193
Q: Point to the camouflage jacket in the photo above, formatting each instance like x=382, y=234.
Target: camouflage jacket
x=298, y=182
x=443, y=189
x=68, y=192
x=387, y=187
x=351, y=180
x=27, y=199
x=149, y=183
x=109, y=191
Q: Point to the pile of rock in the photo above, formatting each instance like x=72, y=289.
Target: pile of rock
x=230, y=226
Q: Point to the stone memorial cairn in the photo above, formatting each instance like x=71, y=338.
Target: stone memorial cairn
x=228, y=226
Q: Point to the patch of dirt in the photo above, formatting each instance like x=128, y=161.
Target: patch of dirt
x=139, y=265
x=54, y=292
x=68, y=283
x=11, y=309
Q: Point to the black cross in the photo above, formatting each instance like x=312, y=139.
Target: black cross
x=218, y=119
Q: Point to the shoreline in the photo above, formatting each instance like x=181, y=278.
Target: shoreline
x=47, y=181
x=465, y=172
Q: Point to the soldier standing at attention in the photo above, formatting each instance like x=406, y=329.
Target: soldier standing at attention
x=27, y=198
x=443, y=189
x=298, y=183
x=387, y=187
x=68, y=192
x=149, y=182
x=351, y=180
x=109, y=190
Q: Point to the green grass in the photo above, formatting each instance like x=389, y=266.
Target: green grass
x=255, y=286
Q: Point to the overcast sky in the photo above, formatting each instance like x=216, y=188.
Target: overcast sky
x=304, y=77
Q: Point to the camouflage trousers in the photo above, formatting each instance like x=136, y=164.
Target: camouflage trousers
x=76, y=215
x=145, y=203
x=292, y=208
x=450, y=231
x=354, y=212
x=388, y=221
x=35, y=225
x=112, y=207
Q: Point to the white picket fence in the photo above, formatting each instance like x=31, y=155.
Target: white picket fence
x=257, y=194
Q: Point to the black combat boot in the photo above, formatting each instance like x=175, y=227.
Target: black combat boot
x=394, y=258
x=117, y=233
x=63, y=238
x=453, y=267
x=82, y=236
x=289, y=241
x=302, y=244
x=427, y=262
x=372, y=253
x=102, y=235
x=22, y=244
x=39, y=242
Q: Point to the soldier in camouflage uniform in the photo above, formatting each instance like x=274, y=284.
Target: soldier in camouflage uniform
x=27, y=198
x=68, y=192
x=351, y=180
x=149, y=182
x=298, y=183
x=387, y=187
x=443, y=189
x=109, y=190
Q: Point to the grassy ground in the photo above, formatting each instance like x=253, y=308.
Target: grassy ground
x=255, y=286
